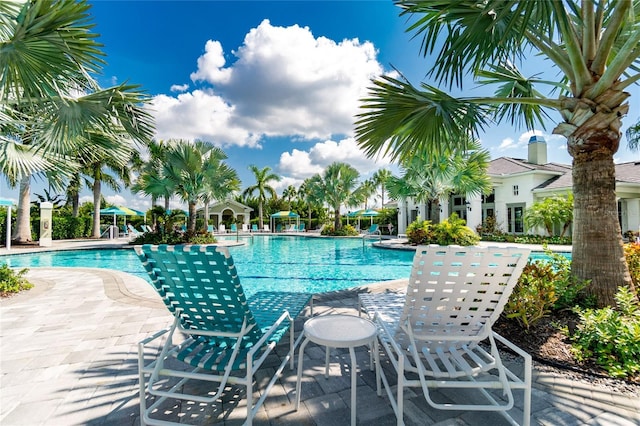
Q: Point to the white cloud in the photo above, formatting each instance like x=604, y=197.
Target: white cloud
x=199, y=115
x=284, y=82
x=210, y=65
x=303, y=164
x=116, y=200
x=179, y=87
x=507, y=143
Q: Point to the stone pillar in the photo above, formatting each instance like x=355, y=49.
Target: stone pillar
x=46, y=223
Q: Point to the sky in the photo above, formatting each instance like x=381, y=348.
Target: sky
x=273, y=83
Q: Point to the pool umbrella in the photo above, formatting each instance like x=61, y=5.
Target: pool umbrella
x=369, y=213
x=120, y=211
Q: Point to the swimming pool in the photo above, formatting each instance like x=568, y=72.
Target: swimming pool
x=265, y=263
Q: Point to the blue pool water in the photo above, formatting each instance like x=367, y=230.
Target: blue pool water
x=264, y=263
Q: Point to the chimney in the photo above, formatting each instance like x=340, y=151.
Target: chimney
x=537, y=150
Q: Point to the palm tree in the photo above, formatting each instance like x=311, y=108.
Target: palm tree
x=461, y=172
x=224, y=183
x=337, y=186
x=192, y=169
x=48, y=54
x=594, y=47
x=380, y=178
x=366, y=190
x=150, y=181
x=289, y=193
x=262, y=188
x=401, y=189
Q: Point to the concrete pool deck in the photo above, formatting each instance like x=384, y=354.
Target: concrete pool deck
x=69, y=356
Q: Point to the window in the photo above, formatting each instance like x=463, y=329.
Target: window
x=491, y=198
x=515, y=190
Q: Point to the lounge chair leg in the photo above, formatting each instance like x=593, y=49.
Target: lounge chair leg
x=354, y=376
x=326, y=363
x=299, y=381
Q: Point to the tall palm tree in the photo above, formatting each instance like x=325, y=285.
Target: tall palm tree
x=366, y=190
x=261, y=187
x=150, y=181
x=380, y=178
x=289, y=193
x=593, y=46
x=47, y=57
x=191, y=170
x=337, y=186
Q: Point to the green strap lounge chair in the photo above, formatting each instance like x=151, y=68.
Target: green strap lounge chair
x=224, y=338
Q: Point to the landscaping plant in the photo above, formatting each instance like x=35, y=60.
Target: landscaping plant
x=12, y=281
x=611, y=336
x=544, y=286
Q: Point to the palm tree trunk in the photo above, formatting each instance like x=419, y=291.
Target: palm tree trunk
x=166, y=202
x=205, y=211
x=192, y=217
x=260, y=215
x=597, y=240
x=22, y=231
x=97, y=188
x=75, y=205
x=434, y=212
x=337, y=223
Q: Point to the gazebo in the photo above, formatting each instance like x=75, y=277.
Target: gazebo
x=286, y=214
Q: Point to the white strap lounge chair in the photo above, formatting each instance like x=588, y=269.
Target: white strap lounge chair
x=432, y=335
x=226, y=337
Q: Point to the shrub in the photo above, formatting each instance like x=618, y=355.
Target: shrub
x=632, y=254
x=611, y=336
x=454, y=231
x=419, y=232
x=544, y=286
x=345, y=231
x=12, y=281
x=533, y=296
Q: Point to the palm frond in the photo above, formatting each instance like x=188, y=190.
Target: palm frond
x=513, y=85
x=400, y=119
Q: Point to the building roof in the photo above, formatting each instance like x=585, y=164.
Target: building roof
x=506, y=166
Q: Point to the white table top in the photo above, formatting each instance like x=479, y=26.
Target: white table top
x=340, y=331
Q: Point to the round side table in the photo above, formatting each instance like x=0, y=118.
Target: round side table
x=340, y=331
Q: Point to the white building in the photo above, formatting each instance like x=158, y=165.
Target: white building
x=518, y=183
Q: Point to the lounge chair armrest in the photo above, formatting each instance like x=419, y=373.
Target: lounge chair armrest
x=512, y=346
x=154, y=336
x=385, y=330
x=267, y=334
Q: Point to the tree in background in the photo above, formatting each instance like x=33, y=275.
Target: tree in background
x=380, y=178
x=429, y=179
x=150, y=181
x=337, y=186
x=289, y=193
x=196, y=172
x=262, y=188
x=593, y=46
x=551, y=211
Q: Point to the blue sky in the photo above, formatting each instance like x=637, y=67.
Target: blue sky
x=273, y=83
